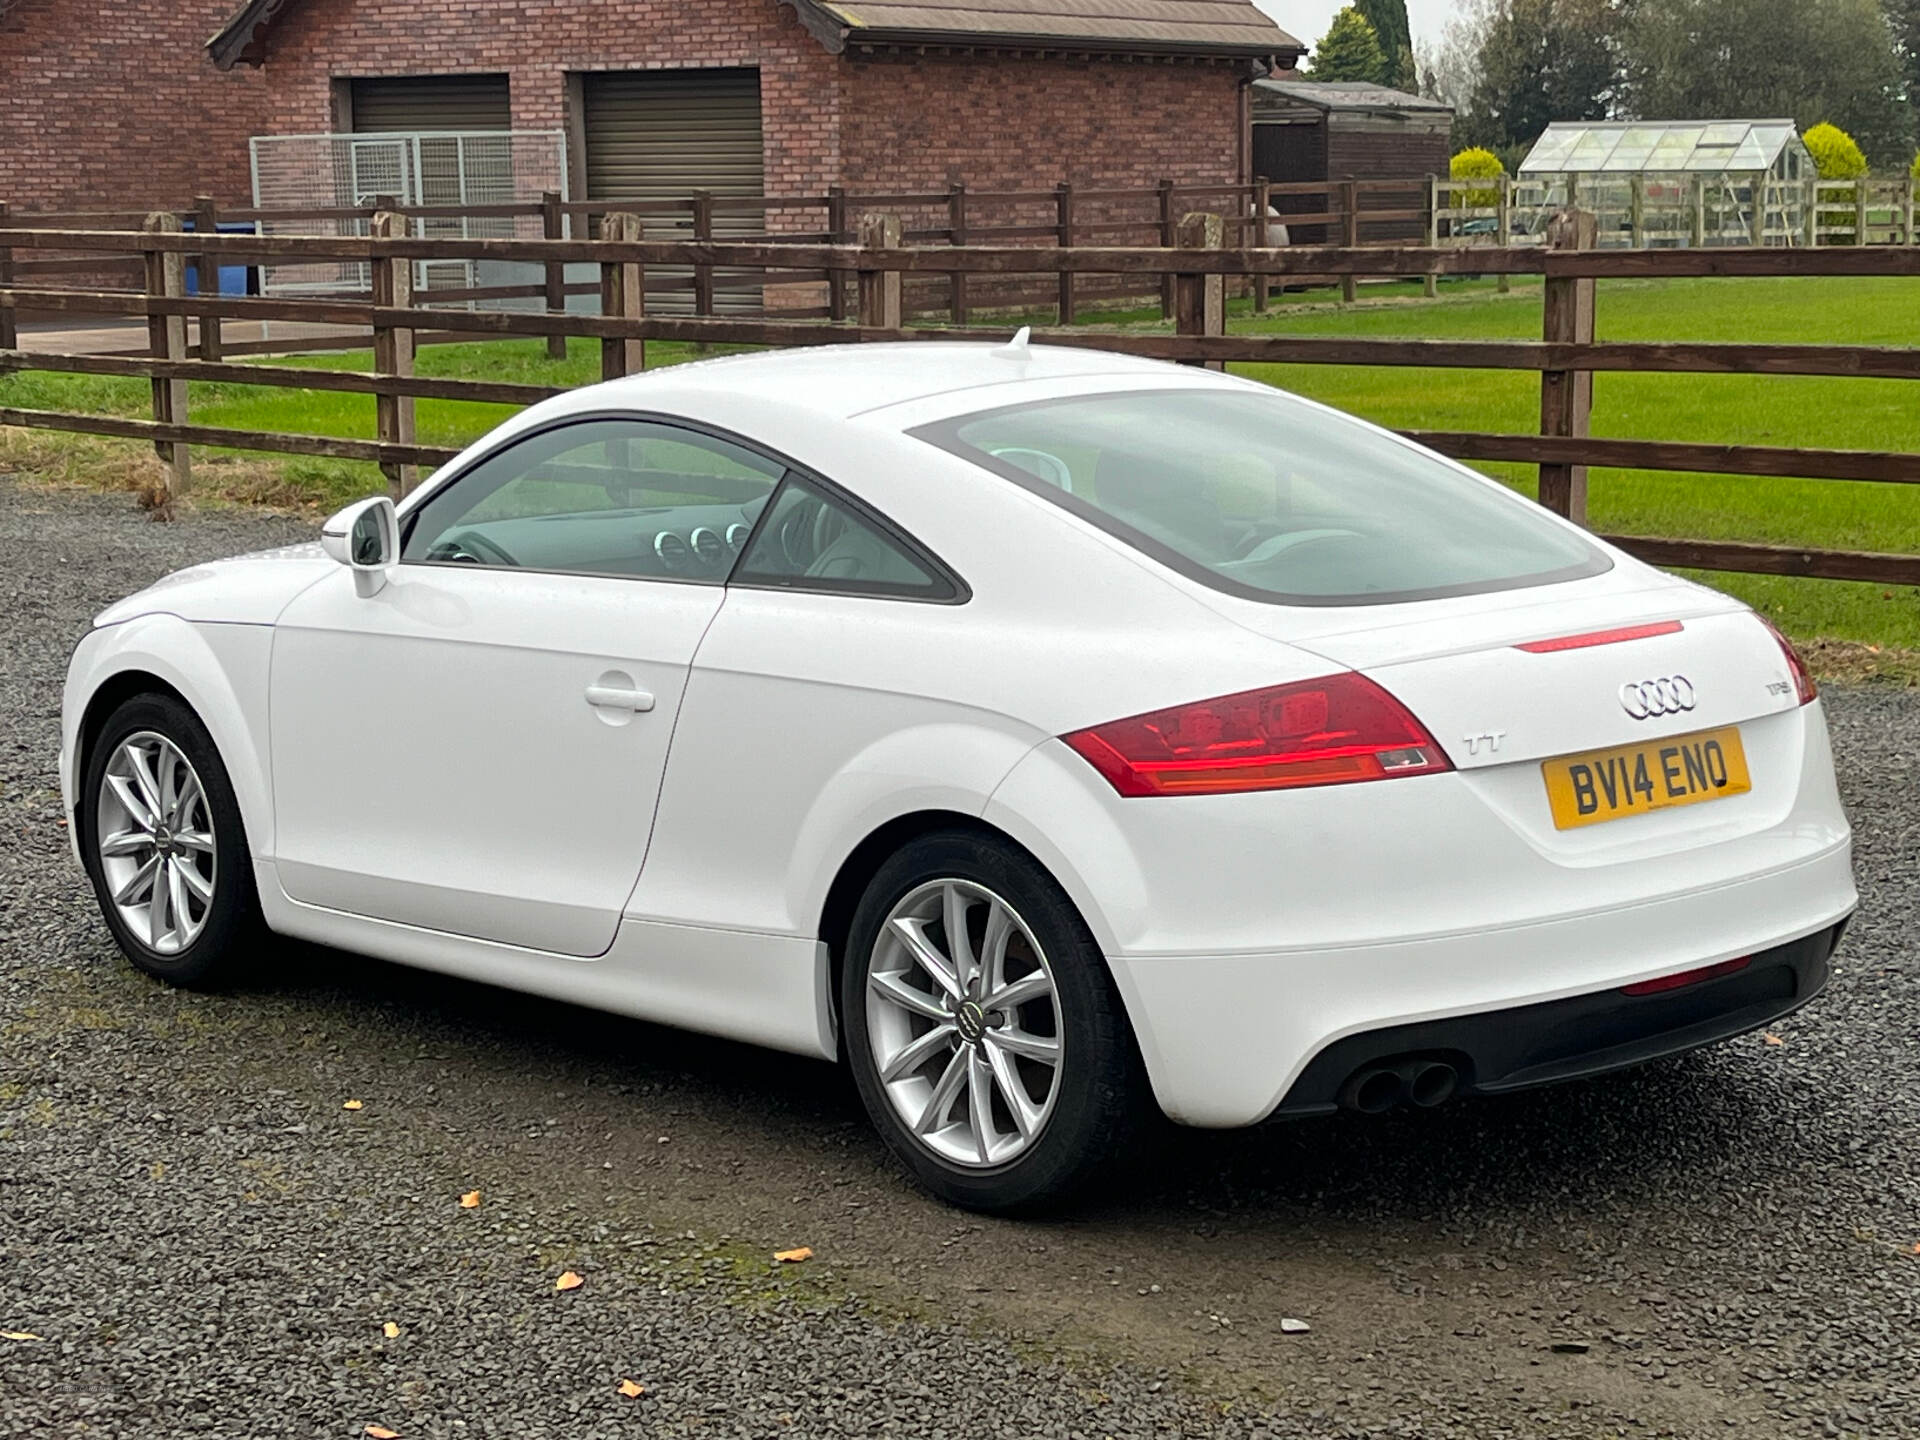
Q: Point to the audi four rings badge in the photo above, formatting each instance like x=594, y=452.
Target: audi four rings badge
x=1644, y=699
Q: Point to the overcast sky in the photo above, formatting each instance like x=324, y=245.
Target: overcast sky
x=1307, y=20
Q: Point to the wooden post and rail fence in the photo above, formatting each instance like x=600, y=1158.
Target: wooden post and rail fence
x=1195, y=271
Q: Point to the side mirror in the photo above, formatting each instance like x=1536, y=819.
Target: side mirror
x=365, y=537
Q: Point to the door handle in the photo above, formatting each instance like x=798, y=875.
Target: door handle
x=618, y=697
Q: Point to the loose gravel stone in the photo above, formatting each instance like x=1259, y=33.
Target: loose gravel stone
x=207, y=1242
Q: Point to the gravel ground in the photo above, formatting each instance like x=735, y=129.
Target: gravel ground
x=207, y=1243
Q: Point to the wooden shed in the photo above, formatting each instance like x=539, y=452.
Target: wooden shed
x=1310, y=130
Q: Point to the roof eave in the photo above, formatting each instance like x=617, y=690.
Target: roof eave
x=1076, y=44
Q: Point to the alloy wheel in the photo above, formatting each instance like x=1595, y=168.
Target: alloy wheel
x=964, y=1023
x=155, y=842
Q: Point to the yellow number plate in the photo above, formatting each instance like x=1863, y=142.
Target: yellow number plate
x=1655, y=775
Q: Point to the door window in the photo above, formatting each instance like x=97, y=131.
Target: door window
x=601, y=497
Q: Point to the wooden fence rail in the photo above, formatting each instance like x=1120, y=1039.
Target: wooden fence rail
x=1194, y=269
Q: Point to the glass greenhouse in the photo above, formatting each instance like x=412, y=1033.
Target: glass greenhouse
x=1674, y=182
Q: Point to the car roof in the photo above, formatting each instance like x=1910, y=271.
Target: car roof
x=851, y=379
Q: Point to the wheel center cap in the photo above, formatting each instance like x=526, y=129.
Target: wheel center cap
x=971, y=1021
x=163, y=840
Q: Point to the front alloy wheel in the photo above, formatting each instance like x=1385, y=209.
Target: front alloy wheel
x=155, y=842
x=982, y=1026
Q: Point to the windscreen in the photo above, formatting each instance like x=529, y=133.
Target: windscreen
x=1261, y=494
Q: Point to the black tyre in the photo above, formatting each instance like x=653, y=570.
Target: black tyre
x=983, y=1028
x=162, y=840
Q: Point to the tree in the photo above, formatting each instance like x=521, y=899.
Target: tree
x=1835, y=153
x=1390, y=28
x=1349, y=51
x=1812, y=60
x=1539, y=61
x=1476, y=164
x=1904, y=18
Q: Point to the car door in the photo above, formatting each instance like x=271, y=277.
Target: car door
x=478, y=748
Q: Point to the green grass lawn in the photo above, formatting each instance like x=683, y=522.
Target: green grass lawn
x=1768, y=410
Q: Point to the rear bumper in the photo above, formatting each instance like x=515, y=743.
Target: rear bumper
x=1528, y=1045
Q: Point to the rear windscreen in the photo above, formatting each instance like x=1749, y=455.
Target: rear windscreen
x=1262, y=494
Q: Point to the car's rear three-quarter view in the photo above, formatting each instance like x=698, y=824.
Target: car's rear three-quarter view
x=1043, y=734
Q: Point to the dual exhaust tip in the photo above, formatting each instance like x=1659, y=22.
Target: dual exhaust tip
x=1376, y=1089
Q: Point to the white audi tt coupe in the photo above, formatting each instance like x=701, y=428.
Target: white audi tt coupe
x=1035, y=729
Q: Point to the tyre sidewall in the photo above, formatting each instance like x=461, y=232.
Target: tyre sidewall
x=233, y=914
x=1099, y=1069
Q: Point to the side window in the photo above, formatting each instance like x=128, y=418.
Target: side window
x=812, y=541
x=601, y=497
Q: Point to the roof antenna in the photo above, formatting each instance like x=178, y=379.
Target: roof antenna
x=1016, y=348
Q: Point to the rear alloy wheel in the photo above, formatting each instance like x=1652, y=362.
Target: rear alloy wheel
x=163, y=843
x=982, y=1027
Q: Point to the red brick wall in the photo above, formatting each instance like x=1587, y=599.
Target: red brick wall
x=117, y=106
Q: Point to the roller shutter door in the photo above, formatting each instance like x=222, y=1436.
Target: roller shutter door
x=431, y=102
x=663, y=134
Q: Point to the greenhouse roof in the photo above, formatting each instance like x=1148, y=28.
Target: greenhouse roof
x=1582, y=146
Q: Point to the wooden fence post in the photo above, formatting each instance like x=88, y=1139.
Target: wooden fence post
x=1566, y=396
x=1430, y=282
x=1200, y=301
x=9, y=330
x=167, y=340
x=393, y=348
x=553, y=226
x=1757, y=220
x=1349, y=233
x=1262, y=202
x=1063, y=205
x=1637, y=210
x=1860, y=211
x=1163, y=193
x=703, y=235
x=879, y=289
x=957, y=235
x=1503, y=225
x=837, y=235
x=1906, y=223
x=206, y=269
x=623, y=296
x=1697, y=198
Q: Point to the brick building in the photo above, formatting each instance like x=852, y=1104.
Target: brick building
x=734, y=96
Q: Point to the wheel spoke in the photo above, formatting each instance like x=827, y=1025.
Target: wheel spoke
x=1043, y=1048
x=166, y=775
x=896, y=990
x=131, y=801
x=917, y=1052
x=1026, y=1115
x=199, y=841
x=980, y=1103
x=1028, y=987
x=993, y=947
x=145, y=781
x=177, y=899
x=126, y=842
x=913, y=935
x=160, y=904
x=193, y=880
x=136, y=884
x=184, y=802
x=953, y=904
x=944, y=1090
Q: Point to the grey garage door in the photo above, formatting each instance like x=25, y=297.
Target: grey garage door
x=431, y=102
x=663, y=134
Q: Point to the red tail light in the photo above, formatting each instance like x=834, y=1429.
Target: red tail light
x=1803, y=685
x=1687, y=977
x=1333, y=731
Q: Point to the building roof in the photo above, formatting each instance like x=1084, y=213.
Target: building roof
x=1626, y=146
x=1202, y=28
x=1329, y=95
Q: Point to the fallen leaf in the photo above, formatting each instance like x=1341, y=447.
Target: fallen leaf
x=354, y=1105
x=29, y=1335
x=1772, y=1039
x=470, y=1200
x=632, y=1389
x=390, y=1330
x=381, y=1432
x=794, y=1257
x=568, y=1281
x=1916, y=1250
x=1291, y=1326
